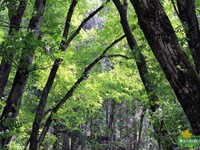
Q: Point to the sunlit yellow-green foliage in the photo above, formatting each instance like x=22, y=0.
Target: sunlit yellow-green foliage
x=122, y=83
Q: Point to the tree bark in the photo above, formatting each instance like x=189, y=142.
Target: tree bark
x=14, y=99
x=187, y=14
x=180, y=73
x=41, y=106
x=6, y=63
x=140, y=61
x=34, y=144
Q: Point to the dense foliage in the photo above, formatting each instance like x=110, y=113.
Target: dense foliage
x=97, y=99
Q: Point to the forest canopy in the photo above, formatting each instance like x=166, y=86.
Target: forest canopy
x=99, y=74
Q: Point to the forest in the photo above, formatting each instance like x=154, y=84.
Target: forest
x=99, y=74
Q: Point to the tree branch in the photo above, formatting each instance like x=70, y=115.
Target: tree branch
x=68, y=21
x=45, y=92
x=73, y=88
x=117, y=55
x=66, y=43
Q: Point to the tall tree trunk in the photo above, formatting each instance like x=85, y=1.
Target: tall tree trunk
x=14, y=99
x=180, y=73
x=43, y=100
x=140, y=60
x=187, y=14
x=41, y=106
x=6, y=62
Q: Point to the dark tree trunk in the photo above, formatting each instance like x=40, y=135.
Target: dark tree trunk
x=68, y=22
x=34, y=144
x=5, y=68
x=41, y=106
x=140, y=60
x=14, y=99
x=187, y=14
x=180, y=73
x=6, y=63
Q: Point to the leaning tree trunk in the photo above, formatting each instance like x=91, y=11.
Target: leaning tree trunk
x=180, y=73
x=187, y=14
x=63, y=46
x=6, y=62
x=140, y=62
x=14, y=99
x=43, y=100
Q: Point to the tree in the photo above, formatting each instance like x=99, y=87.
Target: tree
x=15, y=17
x=14, y=99
x=187, y=14
x=81, y=74
x=174, y=62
